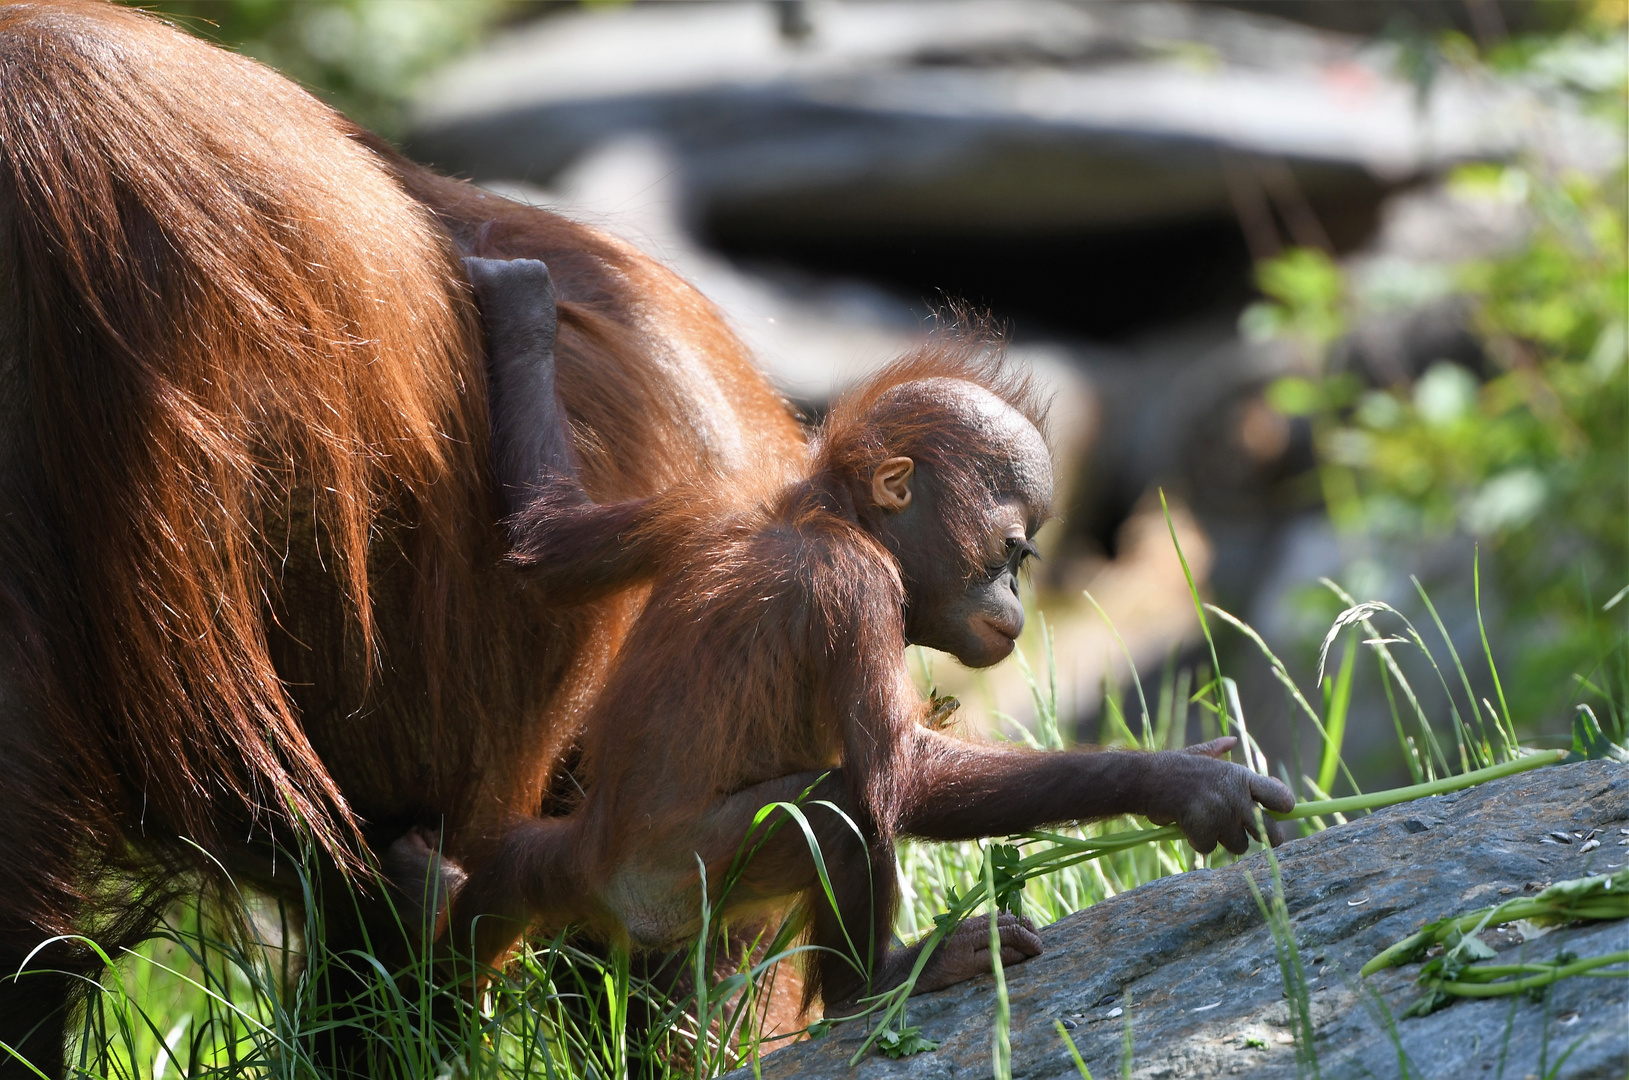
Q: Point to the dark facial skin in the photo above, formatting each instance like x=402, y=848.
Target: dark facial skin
x=973, y=613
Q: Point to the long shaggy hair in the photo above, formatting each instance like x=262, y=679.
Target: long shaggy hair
x=251, y=585
x=215, y=304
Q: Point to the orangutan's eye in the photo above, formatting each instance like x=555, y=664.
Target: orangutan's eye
x=1016, y=551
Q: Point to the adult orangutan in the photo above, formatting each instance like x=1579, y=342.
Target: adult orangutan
x=772, y=654
x=250, y=576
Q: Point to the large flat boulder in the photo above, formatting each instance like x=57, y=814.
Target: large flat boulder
x=861, y=119
x=1190, y=960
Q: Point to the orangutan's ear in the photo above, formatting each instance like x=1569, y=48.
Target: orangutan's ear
x=891, y=484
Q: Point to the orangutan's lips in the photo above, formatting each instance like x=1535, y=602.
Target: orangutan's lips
x=1005, y=631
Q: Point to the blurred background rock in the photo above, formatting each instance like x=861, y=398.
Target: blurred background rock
x=1344, y=279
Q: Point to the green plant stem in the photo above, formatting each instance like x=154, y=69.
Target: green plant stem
x=1553, y=973
x=1525, y=908
x=1067, y=851
x=1565, y=901
x=1375, y=800
x=1487, y=973
x=1071, y=846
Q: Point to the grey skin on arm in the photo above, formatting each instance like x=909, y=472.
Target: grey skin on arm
x=530, y=435
x=563, y=543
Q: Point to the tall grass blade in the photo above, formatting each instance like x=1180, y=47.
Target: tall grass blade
x=1484, y=748
x=1147, y=740
x=1508, y=729
x=1001, y=1038
x=1074, y=1051
x=1360, y=613
x=1291, y=971
x=1128, y=1049
x=1337, y=704
x=1198, y=604
x=1281, y=673
x=1254, y=759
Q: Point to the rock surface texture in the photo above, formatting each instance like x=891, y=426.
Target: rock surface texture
x=1187, y=963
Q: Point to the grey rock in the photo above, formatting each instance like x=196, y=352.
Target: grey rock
x=1488, y=20
x=1188, y=962
x=965, y=116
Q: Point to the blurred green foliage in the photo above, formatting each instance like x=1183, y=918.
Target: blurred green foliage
x=1530, y=455
x=362, y=56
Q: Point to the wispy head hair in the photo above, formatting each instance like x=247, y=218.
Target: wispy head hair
x=934, y=406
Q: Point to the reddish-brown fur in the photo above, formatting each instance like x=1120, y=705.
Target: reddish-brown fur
x=769, y=664
x=250, y=575
x=771, y=647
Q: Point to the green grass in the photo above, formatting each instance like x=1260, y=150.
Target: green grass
x=225, y=990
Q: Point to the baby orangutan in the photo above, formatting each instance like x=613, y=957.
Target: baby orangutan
x=770, y=662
